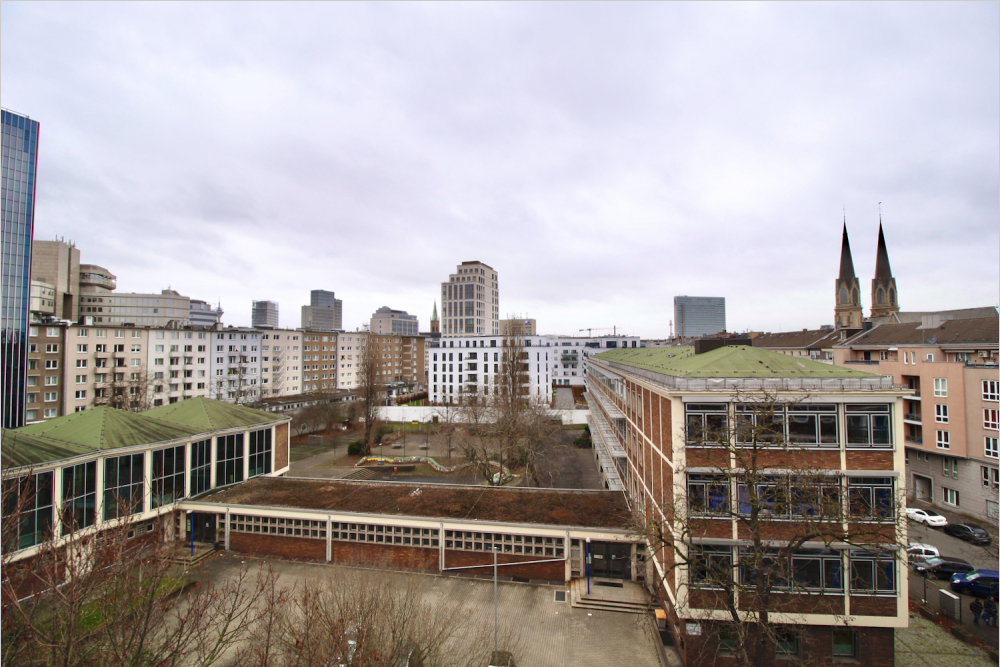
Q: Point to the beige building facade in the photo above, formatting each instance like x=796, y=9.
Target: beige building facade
x=470, y=301
x=57, y=264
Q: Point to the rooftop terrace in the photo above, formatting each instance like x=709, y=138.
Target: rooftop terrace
x=570, y=508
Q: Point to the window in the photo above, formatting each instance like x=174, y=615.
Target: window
x=872, y=572
x=871, y=498
x=992, y=447
x=260, y=452
x=123, y=477
x=943, y=440
x=136, y=348
x=81, y=394
x=81, y=348
x=81, y=379
x=711, y=566
x=79, y=491
x=33, y=493
x=51, y=364
x=51, y=397
x=51, y=380
x=941, y=413
x=50, y=413
x=845, y=643
x=706, y=422
x=229, y=459
x=949, y=496
x=81, y=333
x=81, y=363
x=949, y=466
x=991, y=390
x=812, y=424
x=201, y=461
x=786, y=642
x=817, y=569
x=991, y=419
x=168, y=476
x=708, y=494
x=940, y=386
x=52, y=332
x=868, y=425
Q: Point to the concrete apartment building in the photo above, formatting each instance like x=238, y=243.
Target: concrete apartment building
x=264, y=315
x=56, y=264
x=325, y=312
x=204, y=315
x=950, y=421
x=569, y=362
x=385, y=320
x=696, y=316
x=400, y=359
x=470, y=364
x=649, y=409
x=470, y=301
x=236, y=363
x=46, y=372
x=281, y=352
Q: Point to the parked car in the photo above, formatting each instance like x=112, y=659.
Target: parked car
x=942, y=567
x=929, y=517
x=918, y=553
x=969, y=532
x=981, y=583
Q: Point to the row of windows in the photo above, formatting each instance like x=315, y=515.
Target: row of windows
x=810, y=424
x=819, y=570
x=868, y=498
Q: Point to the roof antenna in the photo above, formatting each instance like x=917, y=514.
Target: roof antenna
x=880, y=213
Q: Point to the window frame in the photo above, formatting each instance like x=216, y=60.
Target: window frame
x=79, y=496
x=166, y=482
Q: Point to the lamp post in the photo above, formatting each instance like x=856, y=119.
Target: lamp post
x=495, y=599
x=588, y=565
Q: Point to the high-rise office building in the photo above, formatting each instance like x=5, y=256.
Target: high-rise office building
x=17, y=209
x=203, y=315
x=324, y=312
x=470, y=301
x=56, y=265
x=265, y=314
x=699, y=315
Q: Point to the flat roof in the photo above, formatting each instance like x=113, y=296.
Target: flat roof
x=557, y=507
x=731, y=361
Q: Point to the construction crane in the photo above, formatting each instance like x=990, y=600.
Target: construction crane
x=613, y=329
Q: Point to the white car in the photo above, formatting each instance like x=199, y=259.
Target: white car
x=918, y=553
x=930, y=517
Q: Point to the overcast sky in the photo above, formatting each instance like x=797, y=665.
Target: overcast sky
x=603, y=158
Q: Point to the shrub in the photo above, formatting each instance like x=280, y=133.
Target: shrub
x=583, y=442
x=356, y=448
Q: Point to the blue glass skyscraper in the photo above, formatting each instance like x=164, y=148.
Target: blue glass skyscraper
x=19, y=165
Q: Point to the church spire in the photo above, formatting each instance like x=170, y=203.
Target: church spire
x=847, y=300
x=435, y=324
x=885, y=298
x=846, y=263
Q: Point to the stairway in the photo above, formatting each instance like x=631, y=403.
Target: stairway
x=629, y=599
x=182, y=553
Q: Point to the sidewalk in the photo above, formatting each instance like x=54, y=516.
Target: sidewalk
x=925, y=644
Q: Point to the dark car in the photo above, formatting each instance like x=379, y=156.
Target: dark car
x=969, y=532
x=943, y=567
x=981, y=583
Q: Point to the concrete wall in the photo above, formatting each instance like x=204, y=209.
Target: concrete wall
x=426, y=413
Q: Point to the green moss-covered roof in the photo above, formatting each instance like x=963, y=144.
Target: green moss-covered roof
x=731, y=361
x=104, y=428
x=211, y=415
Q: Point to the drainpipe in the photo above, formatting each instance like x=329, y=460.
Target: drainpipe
x=190, y=514
x=588, y=566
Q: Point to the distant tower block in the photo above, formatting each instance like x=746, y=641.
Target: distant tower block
x=847, y=311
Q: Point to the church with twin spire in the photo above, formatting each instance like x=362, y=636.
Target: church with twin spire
x=848, y=312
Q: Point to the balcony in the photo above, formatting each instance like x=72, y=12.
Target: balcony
x=914, y=440
x=912, y=416
x=864, y=362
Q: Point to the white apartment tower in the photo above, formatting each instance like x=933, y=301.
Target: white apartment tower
x=470, y=301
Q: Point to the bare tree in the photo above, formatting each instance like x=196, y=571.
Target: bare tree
x=506, y=425
x=111, y=598
x=239, y=385
x=807, y=535
x=371, y=389
x=126, y=388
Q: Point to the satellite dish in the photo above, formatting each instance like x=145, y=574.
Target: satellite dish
x=932, y=340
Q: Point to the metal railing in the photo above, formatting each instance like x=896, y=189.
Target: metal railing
x=915, y=440
x=877, y=383
x=912, y=416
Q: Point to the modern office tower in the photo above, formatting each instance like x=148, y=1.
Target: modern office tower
x=17, y=210
x=55, y=266
x=385, y=320
x=324, y=312
x=699, y=315
x=470, y=301
x=265, y=314
x=203, y=315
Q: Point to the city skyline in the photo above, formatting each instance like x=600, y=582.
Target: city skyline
x=603, y=159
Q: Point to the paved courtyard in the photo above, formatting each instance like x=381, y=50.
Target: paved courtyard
x=925, y=644
x=549, y=633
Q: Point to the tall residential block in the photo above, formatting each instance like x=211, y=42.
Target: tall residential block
x=265, y=314
x=470, y=301
x=385, y=320
x=699, y=315
x=17, y=210
x=324, y=312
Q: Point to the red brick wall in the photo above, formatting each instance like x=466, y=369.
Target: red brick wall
x=554, y=571
x=280, y=446
x=869, y=605
x=277, y=545
x=869, y=460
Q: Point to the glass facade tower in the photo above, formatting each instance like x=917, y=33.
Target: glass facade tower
x=20, y=150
